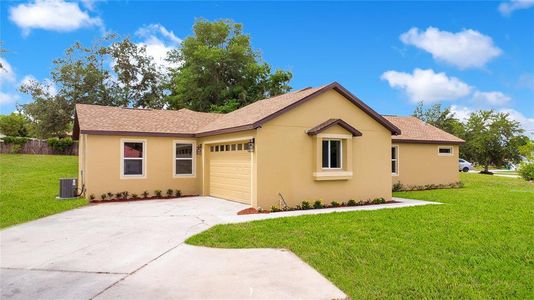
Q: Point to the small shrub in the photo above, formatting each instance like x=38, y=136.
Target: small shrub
x=92, y=197
x=125, y=195
x=170, y=192
x=378, y=201
x=526, y=171
x=298, y=207
x=351, y=202
x=145, y=194
x=317, y=204
x=334, y=204
x=60, y=145
x=118, y=195
x=275, y=209
x=343, y=203
x=110, y=195
x=15, y=140
x=305, y=205
x=157, y=193
x=103, y=196
x=135, y=196
x=16, y=149
x=398, y=187
x=178, y=193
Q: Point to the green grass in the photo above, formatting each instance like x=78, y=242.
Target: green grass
x=479, y=244
x=29, y=185
x=506, y=172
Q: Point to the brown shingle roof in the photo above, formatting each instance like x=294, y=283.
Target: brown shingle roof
x=248, y=115
x=119, y=120
x=93, y=119
x=254, y=115
x=417, y=131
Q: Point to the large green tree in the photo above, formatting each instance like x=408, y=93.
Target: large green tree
x=113, y=71
x=492, y=139
x=440, y=117
x=219, y=71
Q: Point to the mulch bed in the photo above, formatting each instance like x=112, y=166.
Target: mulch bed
x=139, y=199
x=252, y=210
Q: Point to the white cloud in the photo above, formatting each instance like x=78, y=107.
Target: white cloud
x=56, y=15
x=158, y=41
x=526, y=122
x=6, y=73
x=27, y=79
x=461, y=112
x=506, y=8
x=8, y=98
x=464, y=49
x=492, y=98
x=427, y=86
x=49, y=84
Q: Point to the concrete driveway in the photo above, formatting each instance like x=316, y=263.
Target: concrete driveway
x=135, y=250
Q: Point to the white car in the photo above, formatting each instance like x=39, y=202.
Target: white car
x=464, y=165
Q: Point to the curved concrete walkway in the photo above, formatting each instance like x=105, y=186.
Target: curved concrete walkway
x=135, y=250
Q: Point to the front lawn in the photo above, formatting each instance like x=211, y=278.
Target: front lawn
x=479, y=244
x=29, y=185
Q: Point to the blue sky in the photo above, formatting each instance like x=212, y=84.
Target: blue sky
x=468, y=55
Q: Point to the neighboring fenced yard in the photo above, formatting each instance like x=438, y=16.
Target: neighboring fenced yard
x=36, y=146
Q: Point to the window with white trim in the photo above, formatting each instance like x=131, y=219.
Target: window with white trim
x=183, y=159
x=395, y=160
x=331, y=154
x=445, y=151
x=133, y=156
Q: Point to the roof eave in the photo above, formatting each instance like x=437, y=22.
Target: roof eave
x=227, y=130
x=136, y=133
x=419, y=141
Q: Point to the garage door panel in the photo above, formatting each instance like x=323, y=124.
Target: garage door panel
x=230, y=175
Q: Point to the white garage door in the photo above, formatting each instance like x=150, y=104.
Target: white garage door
x=229, y=172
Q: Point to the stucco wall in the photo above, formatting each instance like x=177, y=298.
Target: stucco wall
x=420, y=164
x=100, y=161
x=286, y=156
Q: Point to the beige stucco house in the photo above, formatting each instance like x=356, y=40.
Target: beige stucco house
x=315, y=143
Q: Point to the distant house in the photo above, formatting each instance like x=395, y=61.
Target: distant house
x=315, y=143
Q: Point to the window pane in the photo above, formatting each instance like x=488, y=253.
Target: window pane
x=184, y=167
x=233, y=147
x=445, y=150
x=239, y=147
x=133, y=167
x=227, y=147
x=325, y=154
x=133, y=149
x=184, y=150
x=335, y=154
x=393, y=152
x=393, y=166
